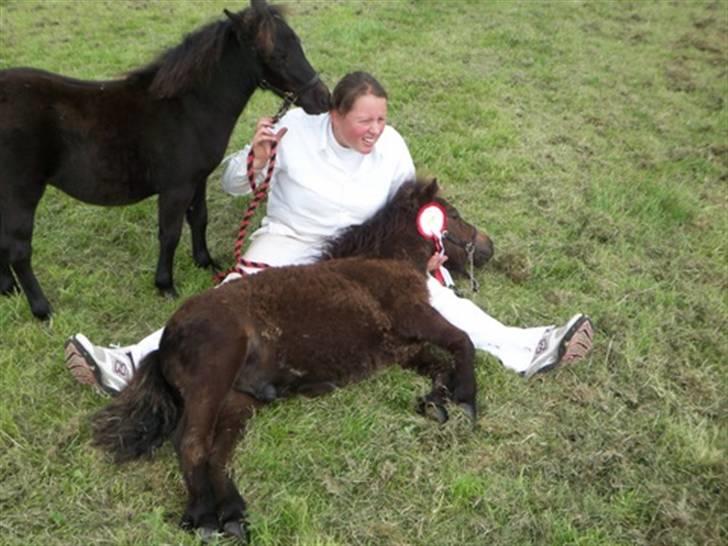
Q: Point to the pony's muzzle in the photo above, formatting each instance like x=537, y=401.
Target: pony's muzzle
x=316, y=99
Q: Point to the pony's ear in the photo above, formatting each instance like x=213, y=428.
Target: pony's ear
x=431, y=190
x=256, y=22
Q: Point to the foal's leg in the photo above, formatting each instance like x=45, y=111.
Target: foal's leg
x=206, y=384
x=16, y=233
x=236, y=411
x=437, y=365
x=197, y=219
x=171, y=211
x=193, y=443
x=424, y=323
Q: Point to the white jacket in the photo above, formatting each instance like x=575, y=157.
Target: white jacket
x=319, y=187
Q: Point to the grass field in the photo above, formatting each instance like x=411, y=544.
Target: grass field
x=590, y=139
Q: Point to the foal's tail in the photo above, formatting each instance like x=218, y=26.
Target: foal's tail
x=141, y=417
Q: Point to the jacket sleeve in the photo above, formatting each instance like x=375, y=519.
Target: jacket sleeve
x=235, y=175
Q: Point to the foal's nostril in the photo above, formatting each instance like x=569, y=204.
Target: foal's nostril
x=483, y=250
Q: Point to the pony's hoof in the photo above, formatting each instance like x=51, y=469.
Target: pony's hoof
x=237, y=530
x=170, y=293
x=41, y=310
x=206, y=261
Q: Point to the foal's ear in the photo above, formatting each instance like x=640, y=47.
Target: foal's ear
x=431, y=190
x=258, y=5
x=237, y=20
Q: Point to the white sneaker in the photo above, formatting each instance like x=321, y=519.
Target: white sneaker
x=105, y=368
x=564, y=345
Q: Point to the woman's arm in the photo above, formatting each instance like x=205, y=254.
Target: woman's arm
x=235, y=176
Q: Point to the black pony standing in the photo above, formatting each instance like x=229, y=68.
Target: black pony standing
x=161, y=130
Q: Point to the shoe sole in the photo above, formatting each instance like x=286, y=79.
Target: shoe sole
x=80, y=363
x=576, y=344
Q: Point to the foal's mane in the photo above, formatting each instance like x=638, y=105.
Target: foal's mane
x=192, y=61
x=373, y=238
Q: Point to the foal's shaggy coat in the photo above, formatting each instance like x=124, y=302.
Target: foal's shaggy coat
x=287, y=331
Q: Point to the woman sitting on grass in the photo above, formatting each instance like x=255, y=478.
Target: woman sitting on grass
x=333, y=171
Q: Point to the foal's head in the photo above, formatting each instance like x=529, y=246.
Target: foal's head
x=392, y=233
x=285, y=69
x=460, y=239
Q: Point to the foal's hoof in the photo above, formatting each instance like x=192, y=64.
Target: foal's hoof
x=469, y=410
x=432, y=410
x=237, y=530
x=206, y=534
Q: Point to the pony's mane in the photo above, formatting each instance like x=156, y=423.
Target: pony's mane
x=373, y=237
x=187, y=63
x=192, y=61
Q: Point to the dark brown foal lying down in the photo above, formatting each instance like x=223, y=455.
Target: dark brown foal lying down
x=288, y=331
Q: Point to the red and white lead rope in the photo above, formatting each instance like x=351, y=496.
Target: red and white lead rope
x=259, y=192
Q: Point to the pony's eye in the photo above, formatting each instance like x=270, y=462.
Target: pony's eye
x=279, y=58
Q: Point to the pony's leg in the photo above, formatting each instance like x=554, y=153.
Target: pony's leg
x=7, y=280
x=424, y=323
x=18, y=214
x=171, y=211
x=197, y=219
x=8, y=286
x=236, y=411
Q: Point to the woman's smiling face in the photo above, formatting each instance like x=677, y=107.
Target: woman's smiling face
x=361, y=127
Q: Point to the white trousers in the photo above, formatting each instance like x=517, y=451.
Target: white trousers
x=514, y=347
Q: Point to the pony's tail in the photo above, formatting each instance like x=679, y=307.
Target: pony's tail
x=141, y=417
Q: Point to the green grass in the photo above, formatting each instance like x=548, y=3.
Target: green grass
x=589, y=138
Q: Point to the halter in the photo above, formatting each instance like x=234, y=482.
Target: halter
x=289, y=97
x=469, y=248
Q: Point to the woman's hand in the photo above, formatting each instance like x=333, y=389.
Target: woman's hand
x=263, y=141
x=435, y=261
